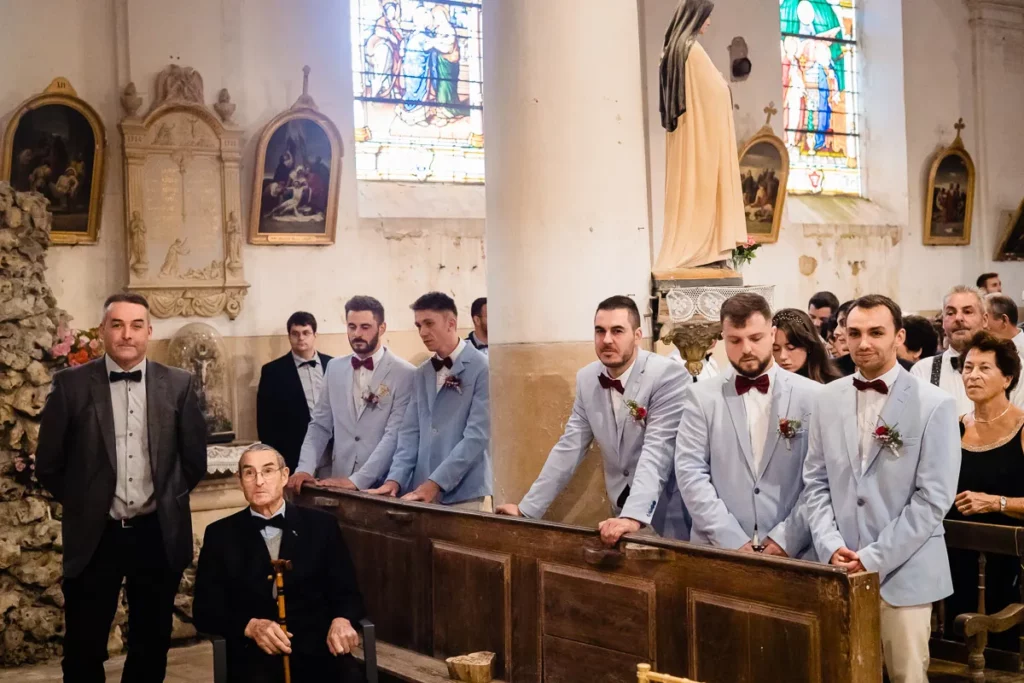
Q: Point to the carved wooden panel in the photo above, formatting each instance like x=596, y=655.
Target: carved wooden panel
x=567, y=661
x=472, y=597
x=738, y=640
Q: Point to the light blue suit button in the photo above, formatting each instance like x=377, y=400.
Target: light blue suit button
x=625, y=473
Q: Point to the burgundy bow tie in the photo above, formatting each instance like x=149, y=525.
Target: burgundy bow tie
x=609, y=383
x=877, y=385
x=745, y=384
x=439, y=363
x=368, y=363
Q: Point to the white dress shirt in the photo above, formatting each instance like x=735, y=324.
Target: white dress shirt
x=134, y=493
x=759, y=411
x=950, y=380
x=270, y=532
x=619, y=400
x=870, y=404
x=312, y=378
x=361, y=380
x=1018, y=341
x=444, y=372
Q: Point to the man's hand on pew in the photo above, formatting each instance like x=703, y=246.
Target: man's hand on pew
x=773, y=548
x=342, y=637
x=509, y=509
x=427, y=492
x=847, y=559
x=390, y=489
x=269, y=636
x=296, y=481
x=343, y=483
x=614, y=529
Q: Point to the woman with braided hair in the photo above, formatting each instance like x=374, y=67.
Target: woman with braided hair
x=799, y=349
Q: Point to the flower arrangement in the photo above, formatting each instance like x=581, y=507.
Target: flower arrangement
x=452, y=382
x=890, y=438
x=788, y=429
x=372, y=399
x=76, y=347
x=637, y=412
x=744, y=253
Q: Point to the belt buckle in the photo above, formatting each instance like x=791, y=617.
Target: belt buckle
x=125, y=523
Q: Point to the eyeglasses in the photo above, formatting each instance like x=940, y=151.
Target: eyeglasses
x=249, y=473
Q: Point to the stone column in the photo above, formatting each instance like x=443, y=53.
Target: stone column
x=567, y=218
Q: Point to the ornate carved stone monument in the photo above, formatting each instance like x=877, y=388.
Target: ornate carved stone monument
x=200, y=349
x=182, y=199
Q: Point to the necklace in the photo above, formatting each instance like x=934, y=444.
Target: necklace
x=985, y=422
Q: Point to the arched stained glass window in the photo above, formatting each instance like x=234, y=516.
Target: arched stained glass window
x=418, y=75
x=820, y=96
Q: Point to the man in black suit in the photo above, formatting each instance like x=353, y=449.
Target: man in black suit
x=235, y=600
x=289, y=388
x=121, y=445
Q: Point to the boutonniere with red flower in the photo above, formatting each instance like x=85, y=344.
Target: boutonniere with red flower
x=637, y=412
x=788, y=429
x=890, y=438
x=372, y=399
x=452, y=382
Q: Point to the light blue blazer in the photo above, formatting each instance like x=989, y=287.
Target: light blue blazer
x=635, y=455
x=445, y=434
x=726, y=497
x=891, y=515
x=363, y=444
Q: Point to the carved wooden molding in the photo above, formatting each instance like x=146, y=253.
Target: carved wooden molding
x=1006, y=14
x=182, y=200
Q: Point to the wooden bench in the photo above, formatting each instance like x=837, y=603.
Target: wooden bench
x=409, y=666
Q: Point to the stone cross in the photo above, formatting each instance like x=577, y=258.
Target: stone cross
x=771, y=111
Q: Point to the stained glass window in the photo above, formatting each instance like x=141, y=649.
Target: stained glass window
x=819, y=79
x=418, y=75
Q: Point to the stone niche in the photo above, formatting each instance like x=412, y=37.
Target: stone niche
x=182, y=199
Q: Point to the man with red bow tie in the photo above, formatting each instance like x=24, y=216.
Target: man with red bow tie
x=881, y=473
x=742, y=441
x=361, y=407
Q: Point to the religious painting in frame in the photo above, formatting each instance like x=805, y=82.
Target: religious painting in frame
x=1011, y=245
x=949, y=204
x=298, y=173
x=764, y=169
x=54, y=144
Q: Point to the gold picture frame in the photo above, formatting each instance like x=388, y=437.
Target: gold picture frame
x=764, y=170
x=37, y=137
x=949, y=208
x=1011, y=243
x=292, y=202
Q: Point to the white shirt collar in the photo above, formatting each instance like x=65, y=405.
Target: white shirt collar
x=456, y=353
x=1018, y=338
x=112, y=366
x=888, y=378
x=299, y=360
x=279, y=513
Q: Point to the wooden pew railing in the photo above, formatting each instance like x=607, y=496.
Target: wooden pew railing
x=555, y=606
x=974, y=627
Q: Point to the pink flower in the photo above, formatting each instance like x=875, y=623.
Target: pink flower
x=94, y=344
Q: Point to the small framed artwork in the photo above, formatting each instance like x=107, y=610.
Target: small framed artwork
x=949, y=203
x=298, y=172
x=1011, y=244
x=764, y=169
x=54, y=144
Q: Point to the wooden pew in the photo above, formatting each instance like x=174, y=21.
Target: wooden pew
x=556, y=606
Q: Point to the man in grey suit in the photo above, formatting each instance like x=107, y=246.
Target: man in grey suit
x=442, y=446
x=361, y=407
x=742, y=441
x=121, y=445
x=881, y=473
x=629, y=401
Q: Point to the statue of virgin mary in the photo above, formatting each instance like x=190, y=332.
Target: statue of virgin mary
x=704, y=219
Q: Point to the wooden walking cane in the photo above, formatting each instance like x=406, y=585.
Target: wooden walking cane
x=280, y=567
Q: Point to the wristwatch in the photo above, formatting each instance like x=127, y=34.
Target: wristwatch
x=1002, y=503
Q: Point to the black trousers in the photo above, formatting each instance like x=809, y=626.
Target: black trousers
x=135, y=555
x=252, y=665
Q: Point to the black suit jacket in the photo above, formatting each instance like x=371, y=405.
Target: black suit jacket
x=232, y=586
x=76, y=459
x=282, y=415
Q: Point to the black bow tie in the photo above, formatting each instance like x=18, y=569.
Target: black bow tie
x=877, y=385
x=308, y=363
x=955, y=362
x=439, y=363
x=134, y=376
x=609, y=383
x=275, y=521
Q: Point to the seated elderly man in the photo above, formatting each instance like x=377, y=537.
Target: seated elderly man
x=236, y=598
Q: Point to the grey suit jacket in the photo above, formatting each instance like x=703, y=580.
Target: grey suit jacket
x=726, y=497
x=636, y=455
x=363, y=444
x=891, y=514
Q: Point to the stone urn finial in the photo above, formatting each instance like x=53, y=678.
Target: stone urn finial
x=131, y=100
x=225, y=108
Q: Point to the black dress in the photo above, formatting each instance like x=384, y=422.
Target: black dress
x=999, y=471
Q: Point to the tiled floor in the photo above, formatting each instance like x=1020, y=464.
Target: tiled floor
x=193, y=664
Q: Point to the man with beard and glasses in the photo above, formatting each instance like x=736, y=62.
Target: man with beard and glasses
x=629, y=402
x=881, y=473
x=742, y=441
x=361, y=407
x=963, y=316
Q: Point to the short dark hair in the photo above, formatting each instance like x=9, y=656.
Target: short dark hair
x=800, y=332
x=984, y=278
x=921, y=336
x=477, y=309
x=125, y=298
x=436, y=301
x=618, y=303
x=1003, y=305
x=824, y=300
x=1007, y=357
x=301, y=319
x=365, y=303
x=844, y=308
x=739, y=307
x=876, y=300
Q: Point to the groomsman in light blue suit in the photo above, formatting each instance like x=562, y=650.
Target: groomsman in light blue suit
x=881, y=473
x=361, y=407
x=442, y=446
x=742, y=440
x=629, y=401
